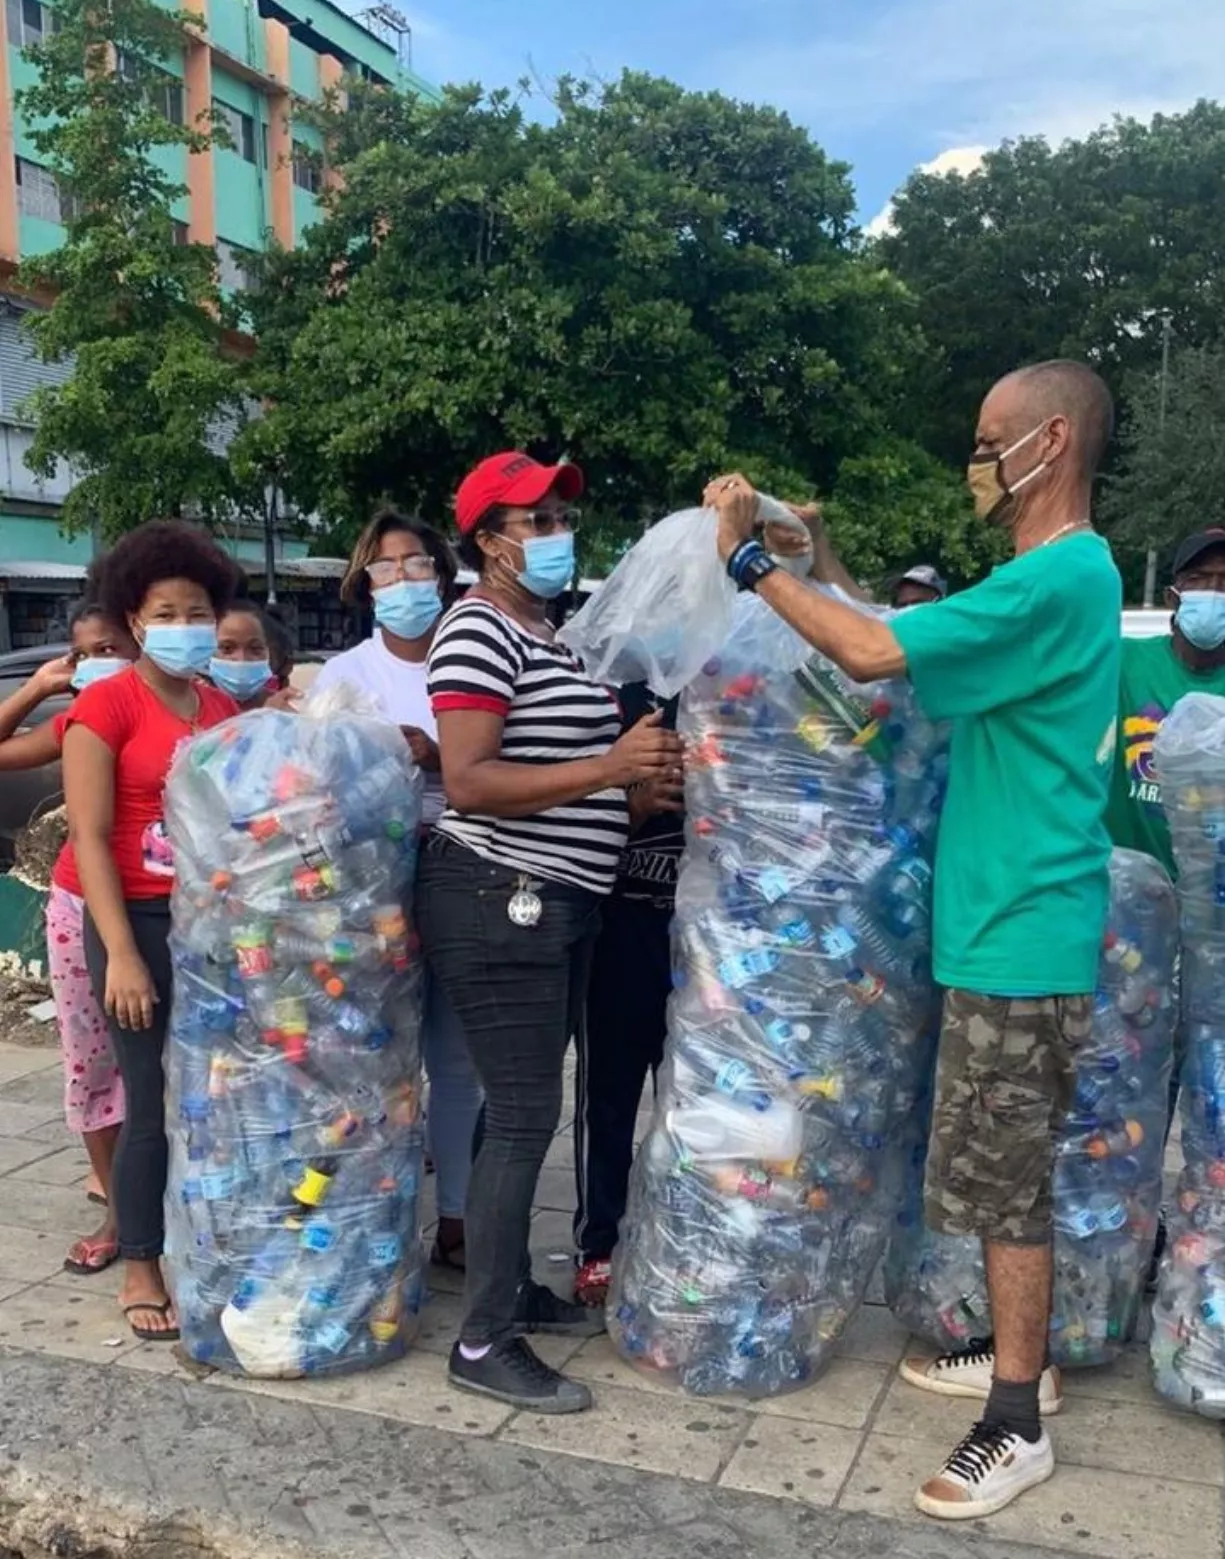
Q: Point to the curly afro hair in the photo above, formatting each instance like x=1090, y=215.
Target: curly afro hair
x=163, y=549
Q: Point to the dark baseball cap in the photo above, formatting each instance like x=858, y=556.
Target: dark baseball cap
x=924, y=574
x=1191, y=550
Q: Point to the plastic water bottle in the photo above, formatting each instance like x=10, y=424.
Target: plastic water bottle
x=1188, y=1338
x=763, y=1195
x=1108, y=1154
x=294, y=1055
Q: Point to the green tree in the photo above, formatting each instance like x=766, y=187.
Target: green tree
x=1070, y=251
x=1170, y=475
x=138, y=313
x=658, y=283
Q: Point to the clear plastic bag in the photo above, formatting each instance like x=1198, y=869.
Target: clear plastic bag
x=799, y=1028
x=1188, y=1339
x=294, y=1070
x=1107, y=1183
x=666, y=608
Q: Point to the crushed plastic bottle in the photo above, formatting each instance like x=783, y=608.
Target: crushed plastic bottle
x=293, y=1066
x=800, y=1025
x=1188, y=1338
x=1107, y=1183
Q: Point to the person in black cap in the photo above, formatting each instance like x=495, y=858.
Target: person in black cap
x=1156, y=674
x=919, y=586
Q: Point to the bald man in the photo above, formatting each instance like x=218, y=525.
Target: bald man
x=1025, y=666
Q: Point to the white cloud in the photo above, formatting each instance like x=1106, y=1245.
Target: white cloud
x=958, y=159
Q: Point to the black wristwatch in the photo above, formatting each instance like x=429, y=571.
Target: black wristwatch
x=749, y=564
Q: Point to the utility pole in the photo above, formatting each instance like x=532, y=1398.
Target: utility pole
x=1163, y=396
x=270, y=516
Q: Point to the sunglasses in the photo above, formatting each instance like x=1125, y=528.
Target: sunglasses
x=544, y=522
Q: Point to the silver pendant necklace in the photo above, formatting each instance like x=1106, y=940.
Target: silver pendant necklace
x=526, y=906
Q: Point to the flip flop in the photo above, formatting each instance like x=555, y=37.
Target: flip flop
x=144, y=1333
x=98, y=1255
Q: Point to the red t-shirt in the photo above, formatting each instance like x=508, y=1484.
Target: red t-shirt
x=64, y=872
x=125, y=713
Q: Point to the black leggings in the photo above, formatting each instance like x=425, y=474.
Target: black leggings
x=519, y=993
x=138, y=1184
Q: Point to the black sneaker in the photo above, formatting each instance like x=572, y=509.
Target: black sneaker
x=510, y=1372
x=540, y=1310
x=1154, y=1266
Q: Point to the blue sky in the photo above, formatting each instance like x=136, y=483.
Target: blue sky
x=884, y=84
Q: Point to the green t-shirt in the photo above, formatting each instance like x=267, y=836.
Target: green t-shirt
x=1026, y=666
x=1153, y=680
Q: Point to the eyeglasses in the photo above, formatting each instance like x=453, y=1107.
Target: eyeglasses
x=387, y=571
x=544, y=522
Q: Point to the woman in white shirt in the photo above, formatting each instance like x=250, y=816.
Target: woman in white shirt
x=404, y=571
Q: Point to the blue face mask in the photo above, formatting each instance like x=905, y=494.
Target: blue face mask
x=180, y=649
x=96, y=668
x=243, y=680
x=1201, y=618
x=548, y=564
x=409, y=608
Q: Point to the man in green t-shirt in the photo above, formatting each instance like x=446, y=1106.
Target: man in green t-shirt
x=1156, y=674
x=1026, y=667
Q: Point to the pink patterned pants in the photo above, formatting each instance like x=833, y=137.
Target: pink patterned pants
x=93, y=1092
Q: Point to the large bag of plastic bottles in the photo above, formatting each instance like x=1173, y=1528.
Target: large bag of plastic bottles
x=799, y=1027
x=1188, y=1338
x=1107, y=1184
x=294, y=1071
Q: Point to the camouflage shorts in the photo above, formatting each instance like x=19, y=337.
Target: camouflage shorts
x=1006, y=1077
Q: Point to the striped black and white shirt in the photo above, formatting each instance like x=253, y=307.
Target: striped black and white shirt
x=553, y=713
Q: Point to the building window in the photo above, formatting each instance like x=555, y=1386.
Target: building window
x=306, y=171
x=240, y=126
x=234, y=266
x=179, y=232
x=163, y=92
x=38, y=195
x=28, y=22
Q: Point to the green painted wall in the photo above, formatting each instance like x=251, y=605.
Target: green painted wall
x=236, y=27
x=303, y=69
x=29, y=539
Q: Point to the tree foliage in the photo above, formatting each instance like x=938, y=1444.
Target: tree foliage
x=1071, y=251
x=139, y=312
x=1170, y=480
x=659, y=283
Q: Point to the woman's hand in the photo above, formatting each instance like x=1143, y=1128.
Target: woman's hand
x=53, y=676
x=646, y=752
x=423, y=748
x=130, y=994
x=734, y=500
x=652, y=797
x=286, y=699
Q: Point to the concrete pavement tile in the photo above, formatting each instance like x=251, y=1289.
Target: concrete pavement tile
x=1082, y=1510
x=413, y=1390
x=41, y=1088
x=54, y=1166
x=561, y=1154
x=873, y=1336
x=555, y=1190
x=1149, y=1440
x=71, y=1326
x=875, y=1294
x=60, y=1210
x=96, y=1283
x=31, y=1254
x=1128, y=1379
x=16, y=1151
x=791, y=1460
x=22, y=1120
x=921, y=1415
x=843, y=1395
x=685, y=1438
x=440, y=1327
x=154, y=1358
x=21, y=1060
x=53, y=1132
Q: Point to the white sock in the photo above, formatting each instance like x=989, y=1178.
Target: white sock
x=473, y=1354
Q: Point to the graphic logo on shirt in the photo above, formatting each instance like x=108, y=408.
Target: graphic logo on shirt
x=1139, y=733
x=157, y=856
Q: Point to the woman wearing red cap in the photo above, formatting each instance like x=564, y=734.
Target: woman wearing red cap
x=535, y=772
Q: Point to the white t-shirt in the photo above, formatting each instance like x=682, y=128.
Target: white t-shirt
x=399, y=689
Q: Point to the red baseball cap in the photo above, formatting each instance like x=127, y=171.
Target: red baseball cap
x=513, y=479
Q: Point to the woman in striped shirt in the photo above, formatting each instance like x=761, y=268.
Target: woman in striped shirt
x=535, y=771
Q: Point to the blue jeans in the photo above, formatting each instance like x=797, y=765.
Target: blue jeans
x=519, y=994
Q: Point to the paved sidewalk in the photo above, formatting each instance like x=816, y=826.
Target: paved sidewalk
x=112, y=1439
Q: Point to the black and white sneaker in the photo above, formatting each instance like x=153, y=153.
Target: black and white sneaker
x=540, y=1310
x=968, y=1374
x=510, y=1372
x=988, y=1470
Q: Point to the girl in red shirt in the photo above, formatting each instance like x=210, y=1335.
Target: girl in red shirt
x=169, y=583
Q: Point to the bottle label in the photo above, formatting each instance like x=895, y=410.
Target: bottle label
x=318, y=1236
x=773, y=884
x=332, y=1337
x=217, y=1185
x=731, y=1077
x=384, y=1250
